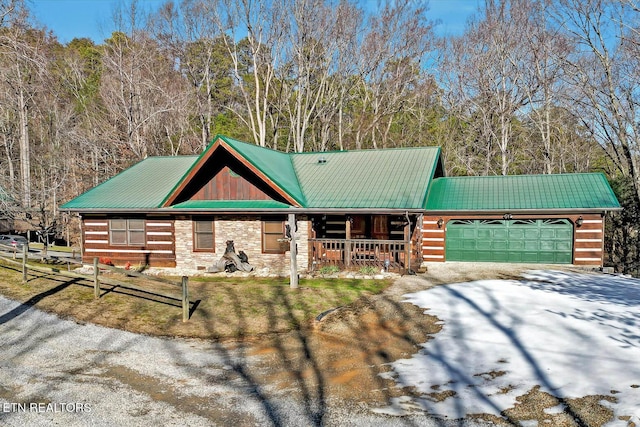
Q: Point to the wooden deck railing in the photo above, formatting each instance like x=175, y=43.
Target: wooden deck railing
x=391, y=255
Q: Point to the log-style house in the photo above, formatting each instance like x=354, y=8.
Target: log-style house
x=392, y=209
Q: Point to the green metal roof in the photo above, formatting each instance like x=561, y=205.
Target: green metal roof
x=530, y=192
x=231, y=204
x=142, y=186
x=274, y=164
x=362, y=179
x=392, y=178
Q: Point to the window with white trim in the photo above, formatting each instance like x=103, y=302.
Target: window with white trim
x=127, y=232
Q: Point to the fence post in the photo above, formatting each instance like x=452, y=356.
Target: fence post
x=25, y=253
x=185, y=298
x=96, y=281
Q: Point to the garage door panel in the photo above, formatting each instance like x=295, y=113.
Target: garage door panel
x=513, y=257
x=564, y=258
x=516, y=245
x=454, y=244
x=549, y=257
x=548, y=233
x=499, y=233
x=481, y=255
x=469, y=234
x=548, y=245
x=498, y=245
x=454, y=233
x=532, y=234
x=469, y=245
x=564, y=234
x=531, y=241
x=532, y=257
x=516, y=233
x=484, y=234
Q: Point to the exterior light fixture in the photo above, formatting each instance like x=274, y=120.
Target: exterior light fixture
x=579, y=221
x=507, y=216
x=440, y=222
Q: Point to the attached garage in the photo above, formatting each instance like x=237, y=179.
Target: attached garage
x=550, y=219
x=530, y=241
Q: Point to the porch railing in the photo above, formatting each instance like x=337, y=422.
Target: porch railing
x=391, y=255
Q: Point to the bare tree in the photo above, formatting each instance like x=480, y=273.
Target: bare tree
x=7, y=7
x=605, y=78
x=21, y=65
x=308, y=65
x=139, y=87
x=542, y=75
x=393, y=50
x=197, y=46
x=486, y=73
x=255, y=56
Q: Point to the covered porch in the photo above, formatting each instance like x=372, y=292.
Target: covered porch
x=350, y=242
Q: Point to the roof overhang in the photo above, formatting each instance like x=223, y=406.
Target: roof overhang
x=567, y=211
x=189, y=211
x=342, y=211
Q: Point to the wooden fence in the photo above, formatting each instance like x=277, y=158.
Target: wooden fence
x=97, y=278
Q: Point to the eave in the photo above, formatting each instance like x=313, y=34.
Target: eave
x=345, y=211
x=522, y=211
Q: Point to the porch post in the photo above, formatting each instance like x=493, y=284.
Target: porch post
x=293, y=250
x=407, y=245
x=347, y=242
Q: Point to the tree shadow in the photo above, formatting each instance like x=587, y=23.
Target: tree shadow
x=301, y=377
x=471, y=300
x=31, y=302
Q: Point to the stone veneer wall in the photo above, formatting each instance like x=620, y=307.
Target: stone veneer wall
x=246, y=232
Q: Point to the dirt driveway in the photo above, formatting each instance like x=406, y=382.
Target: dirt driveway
x=58, y=372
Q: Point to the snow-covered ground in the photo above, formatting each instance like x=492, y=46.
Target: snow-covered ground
x=571, y=334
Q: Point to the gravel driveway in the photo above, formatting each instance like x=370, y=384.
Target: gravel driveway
x=58, y=372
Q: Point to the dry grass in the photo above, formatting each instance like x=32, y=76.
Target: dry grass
x=221, y=308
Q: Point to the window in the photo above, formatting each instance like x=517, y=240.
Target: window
x=128, y=232
x=271, y=232
x=203, y=236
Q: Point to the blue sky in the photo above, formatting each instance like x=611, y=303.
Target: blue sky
x=92, y=18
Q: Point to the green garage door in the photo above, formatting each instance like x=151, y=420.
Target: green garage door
x=535, y=241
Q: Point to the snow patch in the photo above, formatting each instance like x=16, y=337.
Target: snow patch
x=572, y=334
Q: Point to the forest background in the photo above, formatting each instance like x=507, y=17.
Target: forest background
x=529, y=87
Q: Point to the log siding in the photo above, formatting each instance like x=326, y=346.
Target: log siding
x=157, y=251
x=588, y=238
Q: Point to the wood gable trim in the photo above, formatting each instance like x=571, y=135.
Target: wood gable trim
x=221, y=144
x=260, y=174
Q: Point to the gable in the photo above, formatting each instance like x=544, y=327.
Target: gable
x=270, y=171
x=229, y=185
x=222, y=176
